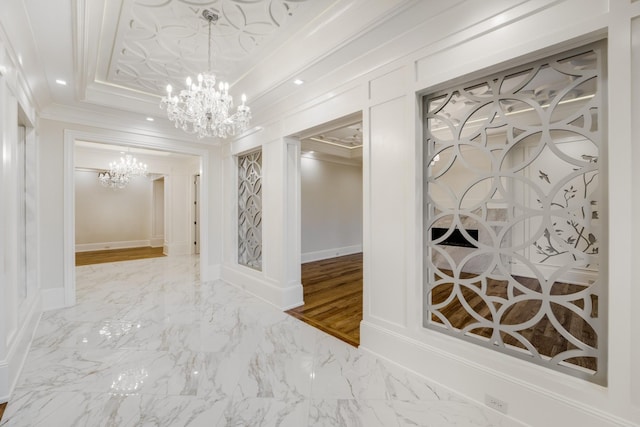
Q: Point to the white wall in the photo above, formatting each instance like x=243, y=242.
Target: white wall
x=108, y=218
x=435, y=43
x=170, y=212
x=432, y=43
x=57, y=149
x=331, y=211
x=279, y=280
x=20, y=293
x=50, y=228
x=635, y=233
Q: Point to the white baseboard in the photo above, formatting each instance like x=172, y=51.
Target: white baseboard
x=330, y=253
x=53, y=299
x=11, y=367
x=284, y=298
x=86, y=247
x=472, y=377
x=156, y=242
x=173, y=249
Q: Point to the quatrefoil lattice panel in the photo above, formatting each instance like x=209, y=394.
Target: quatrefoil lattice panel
x=250, y=210
x=513, y=212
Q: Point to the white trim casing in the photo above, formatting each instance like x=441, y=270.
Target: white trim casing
x=53, y=299
x=177, y=249
x=271, y=291
x=133, y=140
x=11, y=367
x=425, y=58
x=330, y=253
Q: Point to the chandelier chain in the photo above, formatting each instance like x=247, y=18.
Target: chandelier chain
x=209, y=44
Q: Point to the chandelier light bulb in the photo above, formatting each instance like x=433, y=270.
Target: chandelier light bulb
x=169, y=89
x=204, y=110
x=119, y=174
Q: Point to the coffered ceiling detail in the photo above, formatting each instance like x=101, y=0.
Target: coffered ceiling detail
x=157, y=42
x=117, y=56
x=340, y=140
x=349, y=136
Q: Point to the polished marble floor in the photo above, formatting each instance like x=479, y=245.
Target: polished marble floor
x=149, y=344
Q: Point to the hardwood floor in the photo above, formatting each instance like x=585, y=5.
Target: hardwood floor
x=2, y=406
x=333, y=303
x=333, y=297
x=114, y=255
x=543, y=335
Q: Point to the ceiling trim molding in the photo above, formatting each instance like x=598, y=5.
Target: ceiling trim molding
x=19, y=30
x=323, y=157
x=342, y=122
x=102, y=119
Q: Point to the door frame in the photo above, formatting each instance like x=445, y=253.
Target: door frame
x=127, y=140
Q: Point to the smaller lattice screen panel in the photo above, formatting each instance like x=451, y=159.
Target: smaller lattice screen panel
x=250, y=210
x=513, y=212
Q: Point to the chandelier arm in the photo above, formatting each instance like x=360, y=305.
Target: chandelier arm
x=120, y=174
x=202, y=109
x=209, y=49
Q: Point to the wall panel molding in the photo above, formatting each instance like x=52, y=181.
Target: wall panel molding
x=388, y=151
x=271, y=291
x=464, y=370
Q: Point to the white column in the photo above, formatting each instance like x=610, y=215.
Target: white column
x=19, y=298
x=292, y=219
x=278, y=281
x=281, y=219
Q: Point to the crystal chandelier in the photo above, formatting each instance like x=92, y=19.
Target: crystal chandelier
x=201, y=108
x=119, y=174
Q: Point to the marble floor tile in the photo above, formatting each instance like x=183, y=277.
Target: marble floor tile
x=150, y=344
x=352, y=413
x=343, y=372
x=265, y=412
x=221, y=373
x=289, y=335
x=443, y=414
x=64, y=409
x=284, y=376
x=180, y=411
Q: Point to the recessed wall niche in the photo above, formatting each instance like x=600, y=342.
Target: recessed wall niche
x=512, y=170
x=250, y=210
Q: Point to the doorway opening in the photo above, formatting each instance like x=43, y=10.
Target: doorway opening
x=122, y=224
x=331, y=228
x=165, y=218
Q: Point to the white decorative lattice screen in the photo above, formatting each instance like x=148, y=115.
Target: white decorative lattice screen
x=250, y=210
x=513, y=212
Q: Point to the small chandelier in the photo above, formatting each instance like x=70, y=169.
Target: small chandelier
x=201, y=108
x=119, y=174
